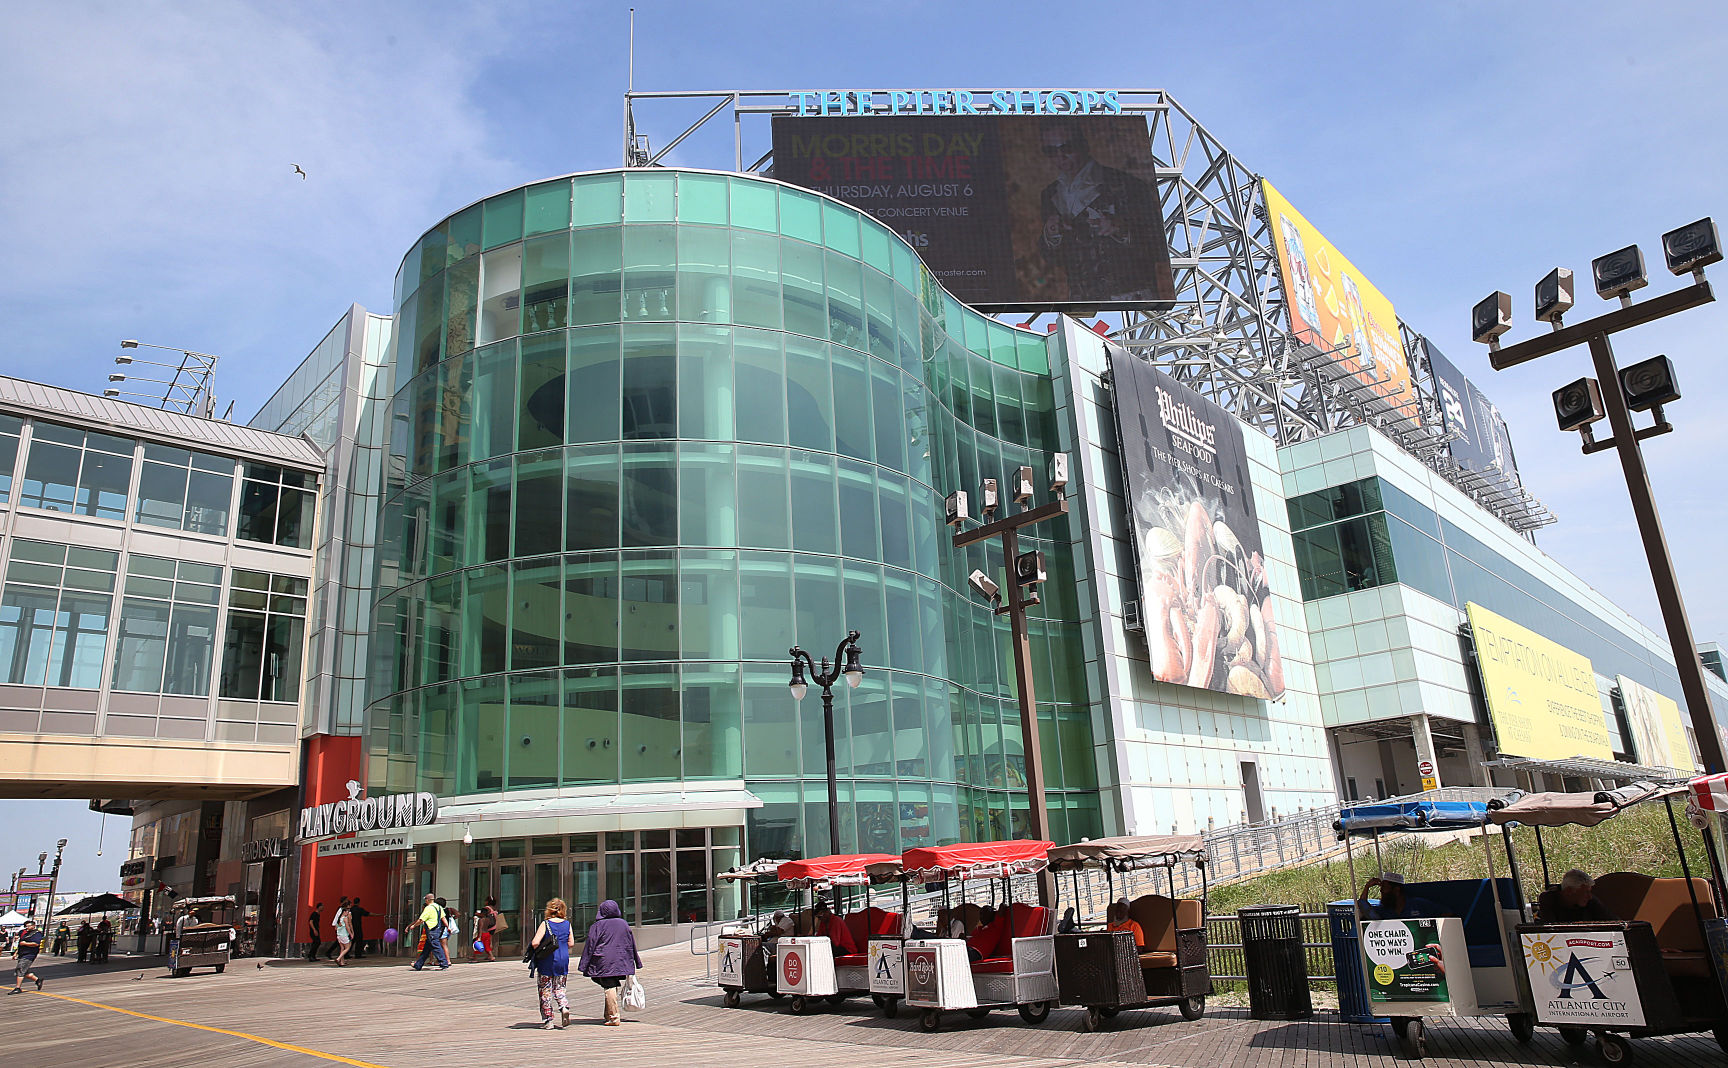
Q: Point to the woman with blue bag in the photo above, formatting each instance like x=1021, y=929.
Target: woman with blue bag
x=549, y=960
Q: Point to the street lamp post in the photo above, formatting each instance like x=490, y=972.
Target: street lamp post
x=53, y=884
x=1025, y=571
x=1615, y=394
x=826, y=676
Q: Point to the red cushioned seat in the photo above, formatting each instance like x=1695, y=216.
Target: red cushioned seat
x=884, y=923
x=997, y=966
x=851, y=960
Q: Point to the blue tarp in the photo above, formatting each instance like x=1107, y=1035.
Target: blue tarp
x=1411, y=816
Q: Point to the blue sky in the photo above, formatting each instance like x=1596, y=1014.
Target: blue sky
x=1449, y=149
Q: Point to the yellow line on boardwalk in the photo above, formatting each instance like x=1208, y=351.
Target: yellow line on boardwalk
x=217, y=1030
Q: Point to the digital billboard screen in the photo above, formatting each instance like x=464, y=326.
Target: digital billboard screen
x=1542, y=696
x=1658, y=732
x=1205, y=602
x=1029, y=212
x=1482, y=442
x=1334, y=307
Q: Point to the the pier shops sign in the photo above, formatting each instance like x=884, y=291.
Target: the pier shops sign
x=865, y=102
x=389, y=812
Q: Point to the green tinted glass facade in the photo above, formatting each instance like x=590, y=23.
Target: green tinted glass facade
x=653, y=428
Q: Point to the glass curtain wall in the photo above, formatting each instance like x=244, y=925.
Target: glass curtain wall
x=653, y=429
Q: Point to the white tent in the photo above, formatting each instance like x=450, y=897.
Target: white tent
x=13, y=919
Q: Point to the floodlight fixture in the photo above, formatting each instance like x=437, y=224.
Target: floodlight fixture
x=1058, y=472
x=987, y=498
x=1029, y=568
x=1022, y=485
x=1578, y=404
x=1649, y=384
x=122, y=359
x=117, y=377
x=984, y=584
x=954, y=507
x=129, y=344
x=1554, y=295
x=1491, y=317
x=110, y=393
x=1692, y=247
x=1619, y=273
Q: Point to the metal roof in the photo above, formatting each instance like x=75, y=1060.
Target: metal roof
x=35, y=399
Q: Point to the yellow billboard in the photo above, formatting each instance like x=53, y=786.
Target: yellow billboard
x=1658, y=732
x=1542, y=696
x=1334, y=307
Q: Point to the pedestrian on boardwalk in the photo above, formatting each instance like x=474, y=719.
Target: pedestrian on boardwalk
x=485, y=923
x=86, y=936
x=331, y=949
x=61, y=934
x=609, y=956
x=104, y=940
x=314, y=931
x=356, y=928
x=431, y=921
x=551, y=963
x=452, y=926
x=25, y=948
x=342, y=929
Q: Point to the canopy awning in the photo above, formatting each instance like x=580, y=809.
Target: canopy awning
x=759, y=869
x=847, y=869
x=976, y=860
x=1412, y=816
x=1579, y=809
x=1127, y=852
x=96, y=903
x=13, y=919
x=1710, y=792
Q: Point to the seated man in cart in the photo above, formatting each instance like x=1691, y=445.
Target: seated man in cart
x=1573, y=902
x=1121, y=921
x=1394, y=904
x=832, y=926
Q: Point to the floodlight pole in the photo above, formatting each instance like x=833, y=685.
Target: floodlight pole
x=1008, y=528
x=1594, y=333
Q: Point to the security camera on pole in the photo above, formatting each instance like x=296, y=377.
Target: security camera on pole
x=1614, y=394
x=1026, y=572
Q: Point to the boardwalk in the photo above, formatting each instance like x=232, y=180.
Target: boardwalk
x=386, y=1015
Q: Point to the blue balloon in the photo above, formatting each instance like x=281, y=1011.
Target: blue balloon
x=479, y=946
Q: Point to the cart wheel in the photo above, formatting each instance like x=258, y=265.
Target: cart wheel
x=731, y=999
x=930, y=1020
x=221, y=967
x=890, y=1006
x=1720, y=1034
x=1573, y=1036
x=799, y=1005
x=1412, y=1037
x=977, y=1014
x=1615, y=1050
x=1035, y=1013
x=1093, y=1020
x=1523, y=1026
x=1193, y=1008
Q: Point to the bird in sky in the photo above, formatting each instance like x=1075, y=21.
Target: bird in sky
x=300, y=172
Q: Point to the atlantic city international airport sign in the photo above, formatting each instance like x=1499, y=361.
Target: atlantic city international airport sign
x=385, y=813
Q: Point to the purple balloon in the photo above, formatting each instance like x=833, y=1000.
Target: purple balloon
x=390, y=934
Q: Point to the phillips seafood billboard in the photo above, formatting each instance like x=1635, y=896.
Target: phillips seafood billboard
x=1334, y=307
x=1205, y=603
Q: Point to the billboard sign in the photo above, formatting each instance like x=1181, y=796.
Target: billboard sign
x=1333, y=306
x=1204, y=598
x=1482, y=442
x=1658, y=732
x=33, y=884
x=1542, y=696
x=1039, y=212
x=956, y=102
x=1582, y=977
x=1405, y=960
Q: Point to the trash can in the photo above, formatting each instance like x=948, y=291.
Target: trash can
x=1276, y=964
x=1353, y=1006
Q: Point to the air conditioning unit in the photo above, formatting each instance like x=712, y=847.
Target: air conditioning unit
x=1131, y=620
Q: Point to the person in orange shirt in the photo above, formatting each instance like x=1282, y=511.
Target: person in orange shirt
x=1121, y=921
x=835, y=929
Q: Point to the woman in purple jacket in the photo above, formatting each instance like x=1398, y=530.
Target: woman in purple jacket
x=610, y=955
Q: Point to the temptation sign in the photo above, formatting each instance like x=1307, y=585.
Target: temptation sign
x=367, y=814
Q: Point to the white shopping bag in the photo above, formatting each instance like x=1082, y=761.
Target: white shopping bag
x=635, y=995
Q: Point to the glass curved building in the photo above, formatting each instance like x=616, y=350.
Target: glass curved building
x=651, y=429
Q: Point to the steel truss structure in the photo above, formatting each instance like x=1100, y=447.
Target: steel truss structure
x=1229, y=334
